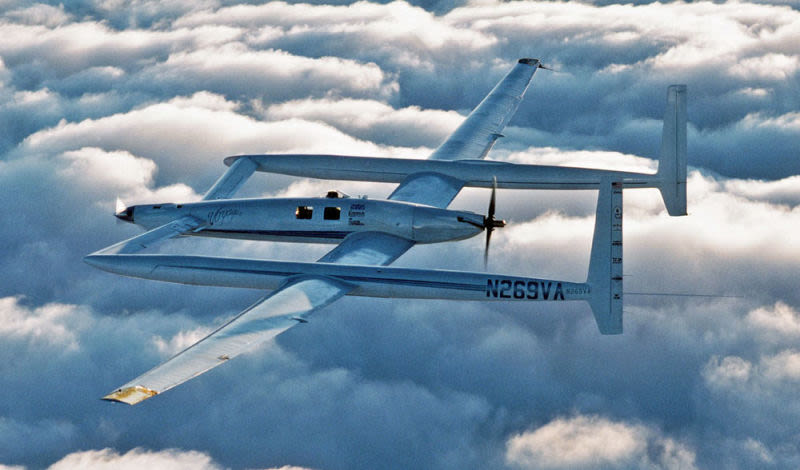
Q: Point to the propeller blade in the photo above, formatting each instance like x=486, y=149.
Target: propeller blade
x=489, y=231
x=489, y=223
x=490, y=215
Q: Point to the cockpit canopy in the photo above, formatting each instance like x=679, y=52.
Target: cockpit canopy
x=334, y=194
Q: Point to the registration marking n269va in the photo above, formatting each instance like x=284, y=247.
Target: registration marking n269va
x=518, y=289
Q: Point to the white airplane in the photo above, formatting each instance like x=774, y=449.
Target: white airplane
x=302, y=288
x=374, y=233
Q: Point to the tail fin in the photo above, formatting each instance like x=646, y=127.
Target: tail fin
x=672, y=161
x=605, y=264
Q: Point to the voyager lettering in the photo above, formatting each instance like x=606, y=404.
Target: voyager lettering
x=222, y=215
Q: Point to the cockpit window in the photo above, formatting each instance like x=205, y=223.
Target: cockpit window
x=332, y=213
x=304, y=212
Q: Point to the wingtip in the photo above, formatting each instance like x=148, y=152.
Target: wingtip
x=130, y=395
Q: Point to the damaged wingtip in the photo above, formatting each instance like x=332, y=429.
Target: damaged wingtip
x=130, y=395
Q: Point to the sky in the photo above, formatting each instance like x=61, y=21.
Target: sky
x=142, y=100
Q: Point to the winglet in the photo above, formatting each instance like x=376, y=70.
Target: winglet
x=131, y=395
x=605, y=264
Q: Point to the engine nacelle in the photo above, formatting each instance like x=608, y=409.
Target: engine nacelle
x=432, y=225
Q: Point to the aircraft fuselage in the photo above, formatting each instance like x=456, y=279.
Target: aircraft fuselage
x=311, y=220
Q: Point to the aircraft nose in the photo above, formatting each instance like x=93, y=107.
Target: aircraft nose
x=125, y=214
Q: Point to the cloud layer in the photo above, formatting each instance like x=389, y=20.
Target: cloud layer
x=142, y=100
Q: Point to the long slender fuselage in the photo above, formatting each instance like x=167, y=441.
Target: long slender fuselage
x=314, y=220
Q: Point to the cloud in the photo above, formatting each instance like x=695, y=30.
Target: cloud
x=51, y=324
x=135, y=458
x=235, y=69
x=373, y=120
x=595, y=442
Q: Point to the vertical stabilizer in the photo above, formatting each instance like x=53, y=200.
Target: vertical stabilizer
x=605, y=264
x=672, y=161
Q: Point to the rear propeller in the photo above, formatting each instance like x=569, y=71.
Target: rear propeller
x=489, y=223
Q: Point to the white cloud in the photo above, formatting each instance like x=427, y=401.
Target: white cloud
x=595, y=442
x=373, y=120
x=784, y=366
x=180, y=341
x=52, y=324
x=40, y=14
x=779, y=319
x=119, y=169
x=782, y=191
x=11, y=467
x=88, y=44
x=396, y=25
x=726, y=371
x=202, y=128
x=108, y=459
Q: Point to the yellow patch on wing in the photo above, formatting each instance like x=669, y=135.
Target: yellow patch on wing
x=131, y=395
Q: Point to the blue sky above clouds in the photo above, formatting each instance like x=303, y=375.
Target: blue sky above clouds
x=143, y=99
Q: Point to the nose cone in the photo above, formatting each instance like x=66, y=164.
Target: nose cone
x=125, y=214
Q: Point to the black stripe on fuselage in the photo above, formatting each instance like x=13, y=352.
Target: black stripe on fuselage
x=330, y=234
x=356, y=279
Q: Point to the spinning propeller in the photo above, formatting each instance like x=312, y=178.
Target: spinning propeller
x=489, y=222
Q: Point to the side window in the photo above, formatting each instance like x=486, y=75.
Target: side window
x=304, y=212
x=332, y=213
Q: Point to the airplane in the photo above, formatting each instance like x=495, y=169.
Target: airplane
x=374, y=233
x=300, y=289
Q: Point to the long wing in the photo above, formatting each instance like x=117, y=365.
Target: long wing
x=472, y=140
x=267, y=318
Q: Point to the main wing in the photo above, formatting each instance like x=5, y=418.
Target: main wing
x=299, y=297
x=472, y=140
x=267, y=318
